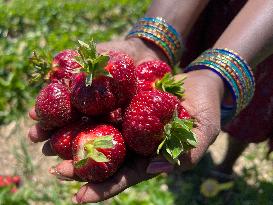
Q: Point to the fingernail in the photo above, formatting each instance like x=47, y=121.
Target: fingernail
x=53, y=171
x=158, y=167
x=56, y=173
x=74, y=199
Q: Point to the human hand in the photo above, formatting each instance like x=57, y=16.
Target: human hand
x=203, y=95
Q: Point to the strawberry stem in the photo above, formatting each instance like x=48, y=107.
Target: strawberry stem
x=90, y=150
x=41, y=67
x=178, y=139
x=170, y=85
x=93, y=64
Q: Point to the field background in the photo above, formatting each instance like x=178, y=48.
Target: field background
x=50, y=26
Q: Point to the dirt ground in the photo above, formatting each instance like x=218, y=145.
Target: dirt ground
x=13, y=135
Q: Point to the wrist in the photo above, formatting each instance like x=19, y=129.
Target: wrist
x=159, y=34
x=235, y=73
x=211, y=78
x=146, y=50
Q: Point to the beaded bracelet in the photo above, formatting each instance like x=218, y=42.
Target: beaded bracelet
x=236, y=74
x=159, y=32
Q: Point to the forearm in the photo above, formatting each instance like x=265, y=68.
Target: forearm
x=251, y=32
x=181, y=14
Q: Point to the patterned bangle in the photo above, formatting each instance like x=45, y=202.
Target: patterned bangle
x=236, y=74
x=159, y=32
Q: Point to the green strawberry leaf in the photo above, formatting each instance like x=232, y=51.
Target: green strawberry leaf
x=179, y=138
x=41, y=66
x=161, y=145
x=100, y=142
x=170, y=85
x=102, y=60
x=169, y=158
x=92, y=63
x=81, y=163
x=98, y=156
x=191, y=139
x=104, y=142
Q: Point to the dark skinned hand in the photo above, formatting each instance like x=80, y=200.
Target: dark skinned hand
x=203, y=93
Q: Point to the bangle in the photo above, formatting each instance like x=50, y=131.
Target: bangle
x=162, y=34
x=234, y=71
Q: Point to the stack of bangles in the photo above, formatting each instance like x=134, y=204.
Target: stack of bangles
x=227, y=64
x=236, y=74
x=159, y=32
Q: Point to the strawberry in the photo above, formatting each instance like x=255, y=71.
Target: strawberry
x=102, y=87
x=61, y=141
x=53, y=106
x=98, y=152
x=151, y=125
x=122, y=68
x=62, y=68
x=115, y=117
x=156, y=74
x=64, y=65
x=98, y=98
x=14, y=181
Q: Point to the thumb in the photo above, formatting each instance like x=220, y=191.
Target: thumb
x=158, y=165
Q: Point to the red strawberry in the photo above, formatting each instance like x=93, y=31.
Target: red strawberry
x=53, y=106
x=98, y=152
x=64, y=65
x=122, y=68
x=102, y=89
x=10, y=180
x=152, y=70
x=151, y=124
x=61, y=141
x=115, y=117
x=98, y=98
x=62, y=68
x=16, y=180
x=156, y=74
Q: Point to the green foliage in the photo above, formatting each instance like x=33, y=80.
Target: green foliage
x=51, y=26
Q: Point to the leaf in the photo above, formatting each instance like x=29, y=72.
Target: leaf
x=160, y=146
x=103, y=60
x=168, y=157
x=92, y=62
x=191, y=139
x=81, y=163
x=98, y=156
x=92, y=49
x=175, y=147
x=104, y=142
x=83, y=44
x=170, y=85
x=178, y=138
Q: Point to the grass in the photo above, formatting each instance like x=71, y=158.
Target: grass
x=51, y=26
x=251, y=187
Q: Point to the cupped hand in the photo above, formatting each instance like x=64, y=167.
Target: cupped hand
x=203, y=93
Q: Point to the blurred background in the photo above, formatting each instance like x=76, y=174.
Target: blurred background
x=54, y=25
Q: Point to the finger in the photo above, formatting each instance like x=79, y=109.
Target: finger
x=37, y=134
x=32, y=114
x=47, y=149
x=64, y=171
x=125, y=178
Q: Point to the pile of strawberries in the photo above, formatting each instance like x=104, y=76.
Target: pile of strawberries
x=97, y=105
x=10, y=181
